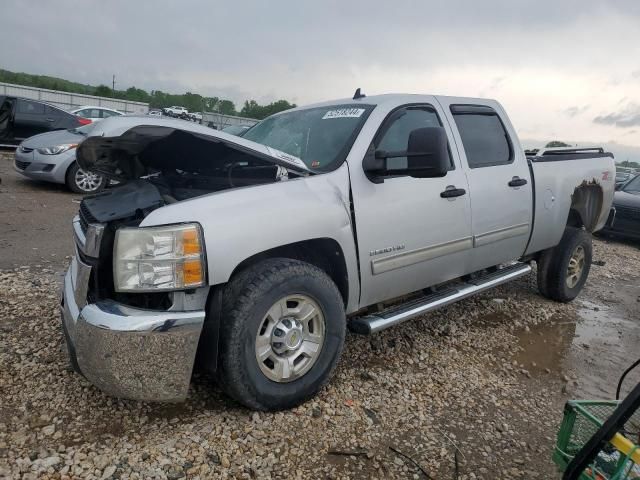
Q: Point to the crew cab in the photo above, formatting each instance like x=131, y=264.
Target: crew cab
x=253, y=255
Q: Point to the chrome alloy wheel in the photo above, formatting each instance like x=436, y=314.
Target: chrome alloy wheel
x=87, y=181
x=576, y=266
x=290, y=338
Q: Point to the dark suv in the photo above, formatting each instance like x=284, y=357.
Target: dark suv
x=22, y=118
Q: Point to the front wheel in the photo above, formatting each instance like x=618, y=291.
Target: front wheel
x=563, y=270
x=81, y=181
x=282, y=332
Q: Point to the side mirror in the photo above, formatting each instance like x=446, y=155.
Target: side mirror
x=427, y=156
x=619, y=186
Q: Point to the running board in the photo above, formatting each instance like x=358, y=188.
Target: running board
x=399, y=313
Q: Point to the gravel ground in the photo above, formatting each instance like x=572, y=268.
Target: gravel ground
x=472, y=391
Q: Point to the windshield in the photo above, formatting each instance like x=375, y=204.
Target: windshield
x=321, y=137
x=633, y=186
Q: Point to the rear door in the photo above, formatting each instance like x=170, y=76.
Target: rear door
x=499, y=181
x=30, y=118
x=409, y=236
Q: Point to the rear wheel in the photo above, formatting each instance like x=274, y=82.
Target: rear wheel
x=81, y=181
x=282, y=334
x=563, y=270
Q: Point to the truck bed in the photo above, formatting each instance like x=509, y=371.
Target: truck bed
x=559, y=187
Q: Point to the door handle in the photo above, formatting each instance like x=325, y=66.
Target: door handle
x=451, y=192
x=517, y=182
x=49, y=119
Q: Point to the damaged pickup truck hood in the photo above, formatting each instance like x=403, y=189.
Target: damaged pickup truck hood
x=126, y=147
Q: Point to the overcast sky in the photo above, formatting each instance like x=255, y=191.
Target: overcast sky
x=564, y=69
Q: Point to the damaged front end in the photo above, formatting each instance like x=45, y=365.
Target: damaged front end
x=134, y=298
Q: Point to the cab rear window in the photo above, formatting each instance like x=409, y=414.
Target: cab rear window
x=484, y=137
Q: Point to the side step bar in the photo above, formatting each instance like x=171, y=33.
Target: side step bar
x=396, y=314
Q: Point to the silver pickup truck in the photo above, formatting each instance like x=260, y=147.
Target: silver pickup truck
x=251, y=256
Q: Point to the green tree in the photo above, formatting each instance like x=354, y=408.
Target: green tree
x=253, y=109
x=102, y=91
x=136, y=95
x=556, y=144
x=627, y=163
x=226, y=107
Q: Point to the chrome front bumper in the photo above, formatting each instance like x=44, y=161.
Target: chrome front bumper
x=129, y=352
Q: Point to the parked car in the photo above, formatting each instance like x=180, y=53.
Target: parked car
x=178, y=112
x=51, y=157
x=195, y=116
x=622, y=177
x=364, y=212
x=236, y=130
x=22, y=118
x=96, y=113
x=155, y=112
x=626, y=202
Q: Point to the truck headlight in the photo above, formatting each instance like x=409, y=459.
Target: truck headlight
x=150, y=259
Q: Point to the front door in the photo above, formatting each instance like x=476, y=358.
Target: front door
x=409, y=236
x=499, y=180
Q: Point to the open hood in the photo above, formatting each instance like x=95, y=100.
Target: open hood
x=125, y=148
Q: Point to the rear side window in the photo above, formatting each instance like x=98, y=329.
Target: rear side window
x=485, y=140
x=107, y=113
x=55, y=111
x=25, y=106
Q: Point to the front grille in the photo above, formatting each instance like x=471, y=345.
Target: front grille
x=85, y=217
x=22, y=165
x=627, y=213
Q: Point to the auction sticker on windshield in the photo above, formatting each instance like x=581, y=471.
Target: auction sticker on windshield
x=344, y=113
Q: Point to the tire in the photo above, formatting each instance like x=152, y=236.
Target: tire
x=74, y=182
x=555, y=279
x=248, y=322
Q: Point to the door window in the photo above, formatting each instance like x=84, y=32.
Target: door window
x=108, y=113
x=395, y=133
x=55, y=112
x=33, y=108
x=89, y=113
x=485, y=140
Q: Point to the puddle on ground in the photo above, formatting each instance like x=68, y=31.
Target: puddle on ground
x=590, y=349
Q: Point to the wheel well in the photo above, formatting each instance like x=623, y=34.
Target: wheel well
x=66, y=173
x=324, y=253
x=586, y=205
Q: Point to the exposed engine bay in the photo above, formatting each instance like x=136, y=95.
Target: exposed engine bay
x=157, y=166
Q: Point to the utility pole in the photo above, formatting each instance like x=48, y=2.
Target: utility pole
x=113, y=85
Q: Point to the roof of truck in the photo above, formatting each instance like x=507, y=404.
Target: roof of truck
x=398, y=99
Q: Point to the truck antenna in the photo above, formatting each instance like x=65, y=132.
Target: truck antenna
x=358, y=95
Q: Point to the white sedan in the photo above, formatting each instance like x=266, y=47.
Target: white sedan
x=95, y=113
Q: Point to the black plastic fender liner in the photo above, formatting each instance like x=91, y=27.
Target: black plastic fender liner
x=209, y=344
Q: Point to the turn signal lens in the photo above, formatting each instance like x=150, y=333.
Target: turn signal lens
x=192, y=273
x=191, y=242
